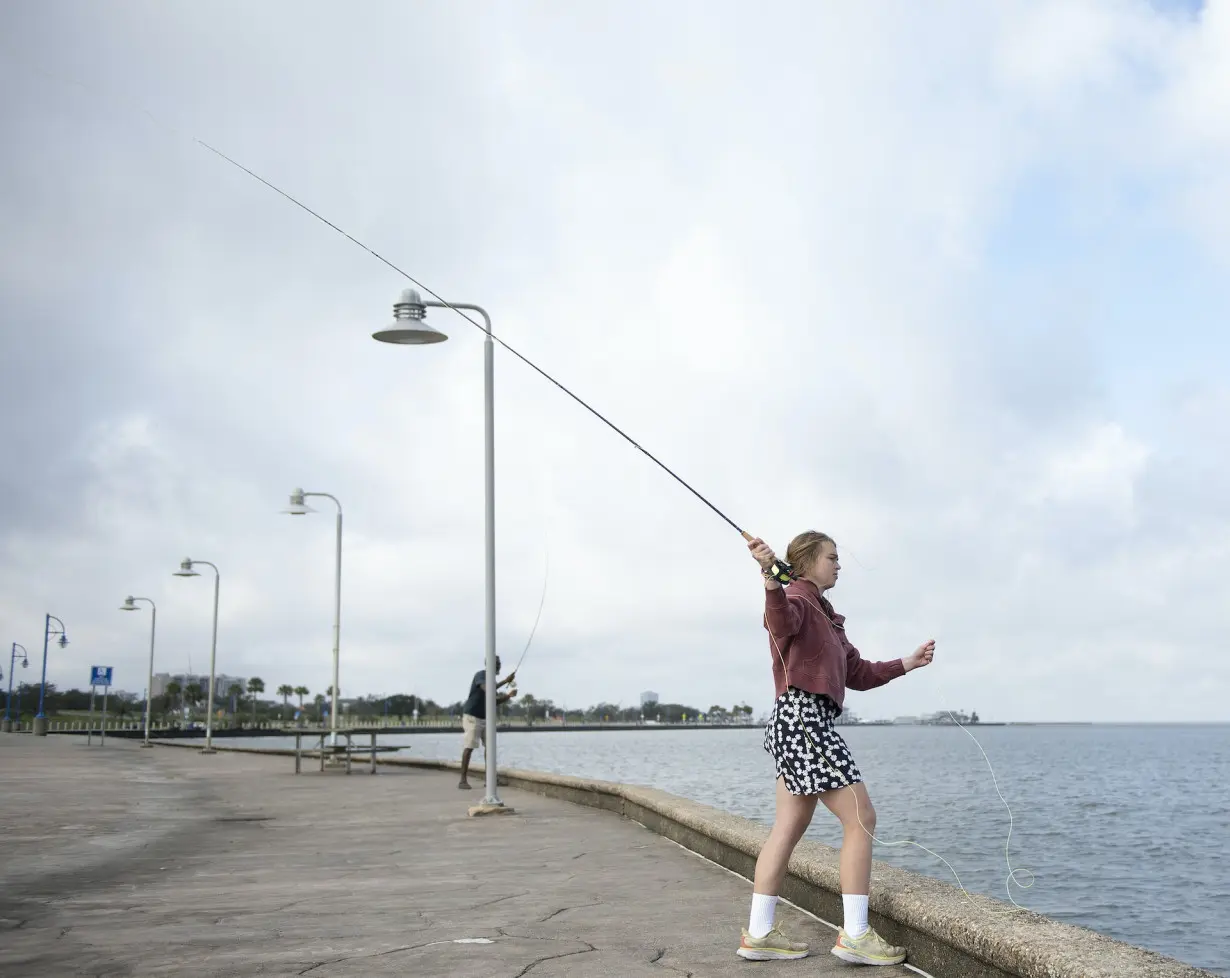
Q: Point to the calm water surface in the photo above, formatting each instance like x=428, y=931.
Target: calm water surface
x=1125, y=828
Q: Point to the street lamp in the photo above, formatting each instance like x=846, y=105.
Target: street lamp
x=40, y=720
x=299, y=508
x=409, y=328
x=25, y=662
x=185, y=570
x=130, y=605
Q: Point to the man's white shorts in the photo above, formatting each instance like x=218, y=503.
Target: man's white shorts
x=474, y=731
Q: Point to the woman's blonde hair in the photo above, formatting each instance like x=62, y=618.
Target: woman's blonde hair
x=805, y=549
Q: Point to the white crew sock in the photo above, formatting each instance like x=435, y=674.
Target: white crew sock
x=761, y=921
x=856, y=913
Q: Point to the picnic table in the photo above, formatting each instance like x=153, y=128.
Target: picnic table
x=346, y=750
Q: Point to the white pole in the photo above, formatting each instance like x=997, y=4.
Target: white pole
x=153, y=622
x=213, y=655
x=493, y=796
x=337, y=620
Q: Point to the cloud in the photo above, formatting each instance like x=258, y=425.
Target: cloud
x=944, y=285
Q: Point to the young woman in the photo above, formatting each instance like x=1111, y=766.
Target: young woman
x=813, y=665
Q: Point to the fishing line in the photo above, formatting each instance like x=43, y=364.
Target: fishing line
x=781, y=569
x=545, y=572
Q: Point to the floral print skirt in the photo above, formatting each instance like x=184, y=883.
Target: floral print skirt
x=807, y=750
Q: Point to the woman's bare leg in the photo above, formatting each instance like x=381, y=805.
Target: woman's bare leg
x=794, y=814
x=853, y=807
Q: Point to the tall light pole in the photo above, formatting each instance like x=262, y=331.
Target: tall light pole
x=40, y=720
x=299, y=508
x=185, y=570
x=25, y=662
x=409, y=328
x=130, y=605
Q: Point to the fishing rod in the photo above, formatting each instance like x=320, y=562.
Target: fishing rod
x=781, y=568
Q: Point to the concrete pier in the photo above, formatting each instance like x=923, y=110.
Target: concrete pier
x=120, y=861
x=165, y=862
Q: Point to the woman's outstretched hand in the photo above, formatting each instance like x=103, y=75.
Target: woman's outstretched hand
x=921, y=656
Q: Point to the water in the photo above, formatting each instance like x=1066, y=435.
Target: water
x=1125, y=828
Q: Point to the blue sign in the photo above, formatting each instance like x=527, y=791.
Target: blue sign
x=100, y=675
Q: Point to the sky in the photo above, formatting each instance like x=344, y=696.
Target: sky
x=949, y=283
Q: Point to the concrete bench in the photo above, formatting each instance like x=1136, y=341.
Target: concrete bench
x=346, y=750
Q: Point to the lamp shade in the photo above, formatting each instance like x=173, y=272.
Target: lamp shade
x=408, y=326
x=185, y=569
x=297, y=506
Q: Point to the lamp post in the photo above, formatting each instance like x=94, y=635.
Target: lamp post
x=130, y=605
x=408, y=328
x=40, y=720
x=25, y=662
x=185, y=570
x=299, y=508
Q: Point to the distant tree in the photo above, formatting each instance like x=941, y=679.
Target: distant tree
x=302, y=691
x=173, y=690
x=974, y=717
x=320, y=707
x=285, y=691
x=675, y=712
x=235, y=691
x=29, y=693
x=192, y=694
x=401, y=704
x=75, y=699
x=530, y=706
x=255, y=685
x=604, y=711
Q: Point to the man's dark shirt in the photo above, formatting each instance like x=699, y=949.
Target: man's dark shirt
x=476, y=705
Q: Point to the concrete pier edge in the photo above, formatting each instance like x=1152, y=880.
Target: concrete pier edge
x=947, y=932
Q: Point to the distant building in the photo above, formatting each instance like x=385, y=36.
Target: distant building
x=222, y=683
x=950, y=717
x=649, y=698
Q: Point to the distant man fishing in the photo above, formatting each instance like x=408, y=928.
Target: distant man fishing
x=474, y=716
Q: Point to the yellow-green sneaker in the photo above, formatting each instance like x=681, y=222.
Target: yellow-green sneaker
x=772, y=947
x=870, y=948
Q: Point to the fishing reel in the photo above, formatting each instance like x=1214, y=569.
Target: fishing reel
x=780, y=571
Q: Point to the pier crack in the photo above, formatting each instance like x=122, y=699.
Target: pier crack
x=554, y=957
x=577, y=906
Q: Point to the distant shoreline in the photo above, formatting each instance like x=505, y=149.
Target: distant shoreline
x=311, y=734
